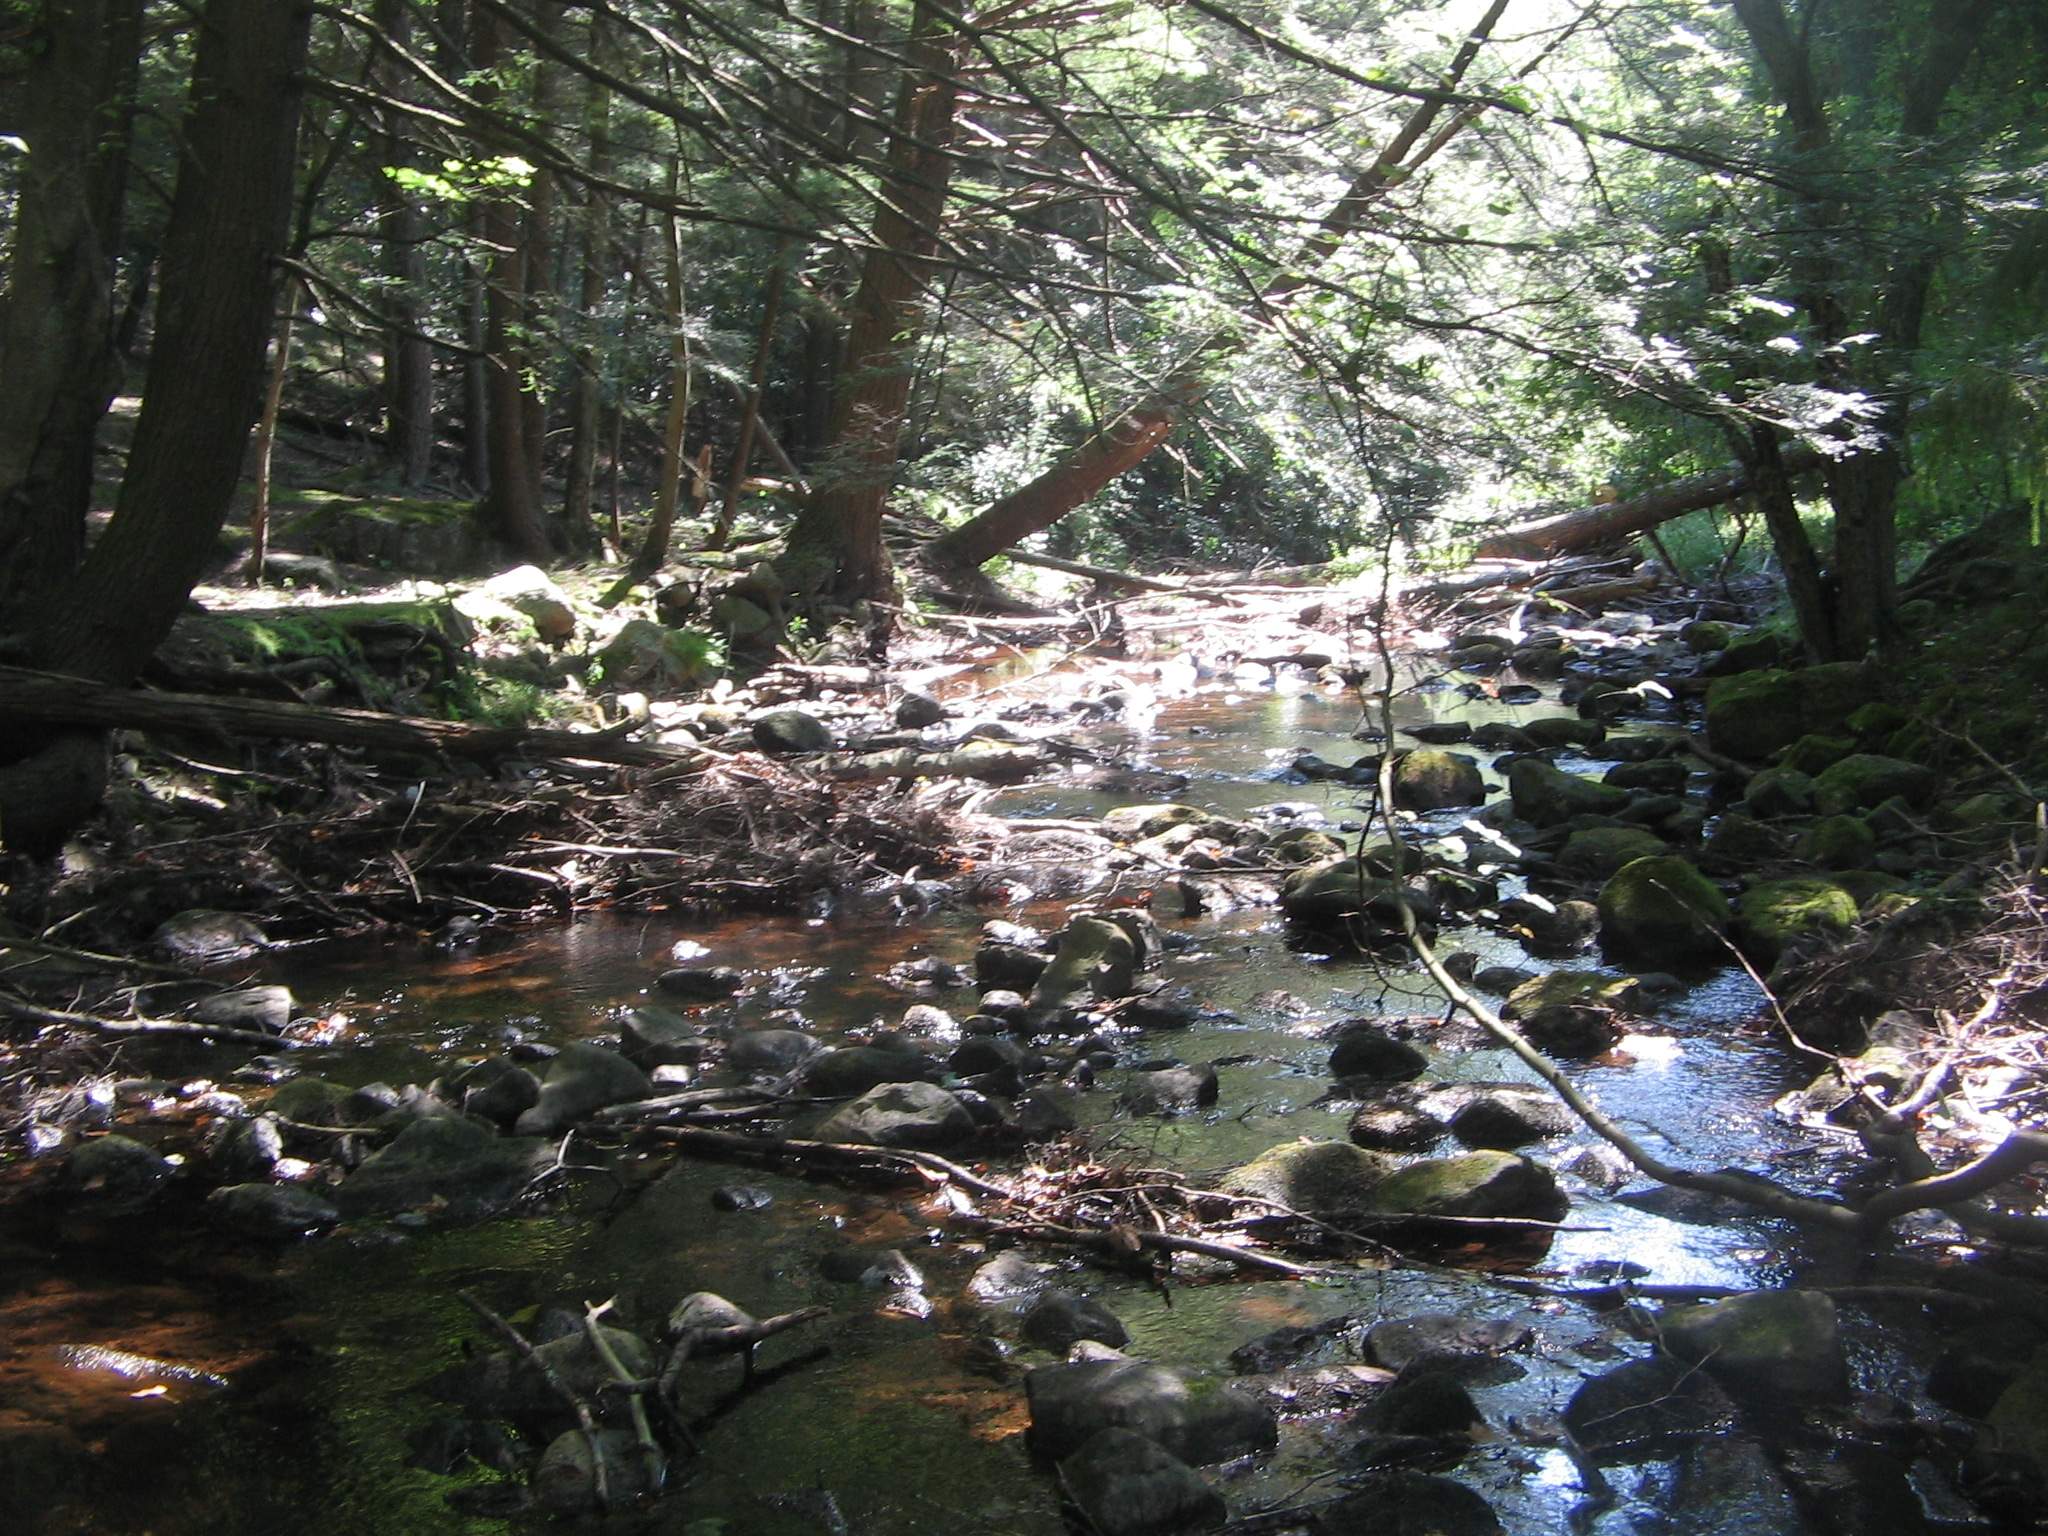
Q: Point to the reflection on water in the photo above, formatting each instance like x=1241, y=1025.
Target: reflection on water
x=901, y=1420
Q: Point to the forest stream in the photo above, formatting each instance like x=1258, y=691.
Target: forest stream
x=214, y=1386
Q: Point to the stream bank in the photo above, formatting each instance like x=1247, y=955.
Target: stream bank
x=1184, y=1070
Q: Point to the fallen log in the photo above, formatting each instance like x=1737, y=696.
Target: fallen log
x=1605, y=522
x=51, y=698
x=991, y=764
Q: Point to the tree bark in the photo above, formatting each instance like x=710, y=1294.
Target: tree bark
x=586, y=424
x=512, y=504
x=408, y=355
x=57, y=699
x=58, y=345
x=238, y=150
x=237, y=147
x=1605, y=522
x=835, y=549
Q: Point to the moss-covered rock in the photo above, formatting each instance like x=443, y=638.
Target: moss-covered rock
x=1326, y=1179
x=1764, y=1346
x=1867, y=885
x=1338, y=894
x=1095, y=955
x=1497, y=1184
x=1664, y=911
x=1770, y=916
x=1812, y=754
x=1554, y=731
x=1748, y=652
x=1753, y=714
x=1546, y=796
x=1704, y=635
x=1877, y=721
x=1839, y=842
x=1595, y=987
x=1431, y=779
x=1132, y=821
x=1865, y=780
x=1301, y=845
x=1598, y=852
x=1741, y=843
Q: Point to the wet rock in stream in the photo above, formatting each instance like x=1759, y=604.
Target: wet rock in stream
x=1061, y=1319
x=900, y=1114
x=1169, y=1090
x=453, y=1164
x=1407, y=1503
x=581, y=1079
x=1072, y=1403
x=1770, y=1345
x=271, y=1211
x=1126, y=1484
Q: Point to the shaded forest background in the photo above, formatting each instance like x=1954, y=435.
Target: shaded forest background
x=1143, y=285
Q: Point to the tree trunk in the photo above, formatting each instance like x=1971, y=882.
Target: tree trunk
x=408, y=355
x=1770, y=471
x=238, y=149
x=1605, y=522
x=512, y=504
x=835, y=549
x=58, y=351
x=266, y=434
x=586, y=402
x=750, y=414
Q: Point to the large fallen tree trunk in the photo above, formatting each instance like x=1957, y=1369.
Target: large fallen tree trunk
x=1605, y=522
x=52, y=698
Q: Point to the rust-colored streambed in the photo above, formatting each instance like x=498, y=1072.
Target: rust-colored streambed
x=287, y=1390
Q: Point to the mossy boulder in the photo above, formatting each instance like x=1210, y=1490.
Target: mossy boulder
x=1773, y=915
x=1337, y=893
x=1839, y=842
x=1867, y=885
x=1546, y=796
x=1865, y=780
x=1301, y=845
x=1753, y=714
x=1765, y=1346
x=1325, y=1179
x=1496, y=1184
x=1597, y=852
x=1137, y=821
x=1553, y=731
x=1812, y=754
x=1740, y=843
x=1877, y=721
x=448, y=1164
x=1095, y=955
x=1704, y=635
x=1664, y=911
x=1430, y=779
x=1747, y=652
x=1572, y=1013
x=1777, y=792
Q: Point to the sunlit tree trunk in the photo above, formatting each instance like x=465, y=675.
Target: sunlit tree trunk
x=408, y=356
x=835, y=550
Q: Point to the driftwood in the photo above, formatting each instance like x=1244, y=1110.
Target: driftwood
x=996, y=765
x=1605, y=522
x=1096, y=573
x=166, y=1028
x=52, y=698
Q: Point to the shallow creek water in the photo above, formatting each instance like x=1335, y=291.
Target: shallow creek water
x=900, y=1421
